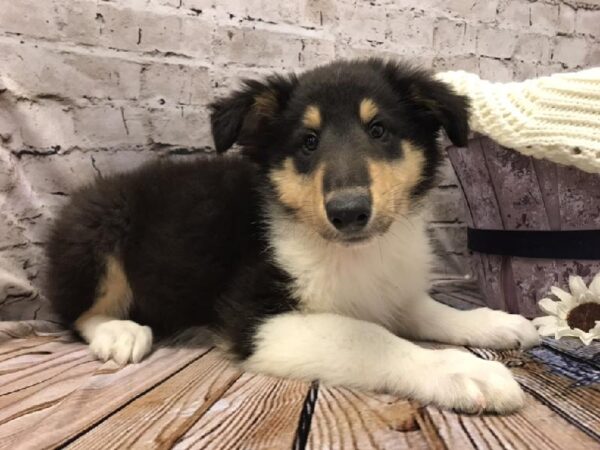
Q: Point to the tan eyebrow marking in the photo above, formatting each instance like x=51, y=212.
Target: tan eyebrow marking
x=367, y=110
x=312, y=117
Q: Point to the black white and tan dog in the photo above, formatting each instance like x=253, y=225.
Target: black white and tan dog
x=306, y=253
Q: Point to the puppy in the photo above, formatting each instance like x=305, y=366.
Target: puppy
x=306, y=254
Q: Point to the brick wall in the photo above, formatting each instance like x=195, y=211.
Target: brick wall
x=95, y=86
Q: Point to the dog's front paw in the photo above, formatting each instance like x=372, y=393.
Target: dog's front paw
x=454, y=379
x=121, y=340
x=499, y=330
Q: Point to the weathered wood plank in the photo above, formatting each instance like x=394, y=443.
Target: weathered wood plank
x=483, y=209
x=579, y=197
x=257, y=412
x=569, y=388
x=157, y=419
x=34, y=345
x=534, y=427
x=101, y=392
x=348, y=419
x=546, y=173
x=34, y=381
x=516, y=188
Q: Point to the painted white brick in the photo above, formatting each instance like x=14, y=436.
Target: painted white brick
x=544, y=17
x=413, y=55
x=170, y=84
x=495, y=70
x=61, y=173
x=513, y=14
x=315, y=51
x=471, y=10
x=593, y=58
x=469, y=63
x=566, y=18
x=277, y=49
x=588, y=22
x=407, y=30
x=362, y=22
x=35, y=71
x=532, y=47
x=265, y=10
x=109, y=126
x=320, y=12
x=572, y=51
x=496, y=43
x=51, y=19
x=44, y=124
x=183, y=125
x=549, y=69
x=129, y=29
x=453, y=38
x=524, y=70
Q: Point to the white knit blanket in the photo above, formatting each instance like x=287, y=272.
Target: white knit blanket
x=555, y=117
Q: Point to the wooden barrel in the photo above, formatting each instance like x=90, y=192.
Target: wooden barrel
x=505, y=190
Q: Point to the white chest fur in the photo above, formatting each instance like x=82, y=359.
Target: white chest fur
x=372, y=281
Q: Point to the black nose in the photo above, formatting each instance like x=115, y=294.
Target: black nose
x=349, y=211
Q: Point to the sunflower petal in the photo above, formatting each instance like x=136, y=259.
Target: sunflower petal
x=562, y=295
x=562, y=310
x=586, y=338
x=577, y=286
x=595, y=285
x=567, y=332
x=548, y=306
x=544, y=320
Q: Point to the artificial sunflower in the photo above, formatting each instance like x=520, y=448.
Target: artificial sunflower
x=575, y=314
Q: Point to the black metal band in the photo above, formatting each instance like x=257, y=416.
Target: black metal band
x=579, y=244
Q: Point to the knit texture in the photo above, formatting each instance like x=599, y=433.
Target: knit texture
x=555, y=117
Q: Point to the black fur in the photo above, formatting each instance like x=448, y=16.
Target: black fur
x=191, y=236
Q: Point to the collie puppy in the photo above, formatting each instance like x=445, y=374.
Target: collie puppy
x=306, y=253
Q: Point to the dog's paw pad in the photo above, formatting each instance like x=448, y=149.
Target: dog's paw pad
x=123, y=341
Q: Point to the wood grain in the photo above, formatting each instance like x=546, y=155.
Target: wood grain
x=103, y=389
x=159, y=418
x=570, y=390
x=347, y=419
x=534, y=427
x=257, y=412
x=35, y=381
x=483, y=211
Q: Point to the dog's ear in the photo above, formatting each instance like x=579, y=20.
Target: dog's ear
x=434, y=101
x=246, y=114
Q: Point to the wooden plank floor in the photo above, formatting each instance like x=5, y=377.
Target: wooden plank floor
x=187, y=396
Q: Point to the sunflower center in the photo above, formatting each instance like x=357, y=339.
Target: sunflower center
x=584, y=316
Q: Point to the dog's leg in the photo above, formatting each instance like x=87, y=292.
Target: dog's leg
x=343, y=351
x=427, y=319
x=101, y=325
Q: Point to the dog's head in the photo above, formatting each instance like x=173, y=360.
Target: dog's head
x=347, y=147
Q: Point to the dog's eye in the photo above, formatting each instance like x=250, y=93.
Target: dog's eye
x=376, y=130
x=311, y=142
